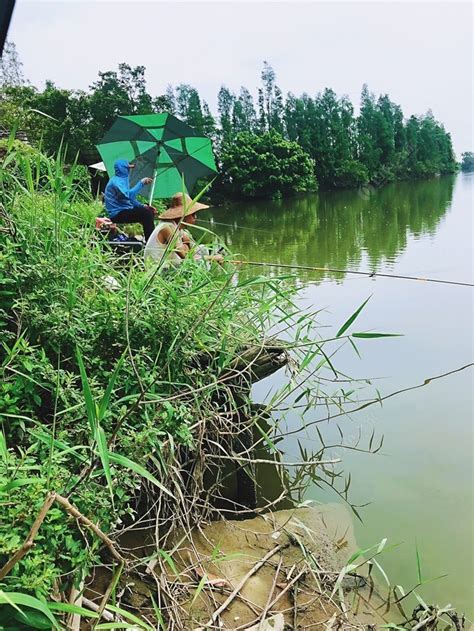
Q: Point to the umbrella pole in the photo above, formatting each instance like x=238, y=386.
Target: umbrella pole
x=152, y=187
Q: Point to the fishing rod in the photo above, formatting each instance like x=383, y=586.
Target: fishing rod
x=350, y=271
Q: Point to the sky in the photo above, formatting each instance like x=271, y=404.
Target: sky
x=420, y=53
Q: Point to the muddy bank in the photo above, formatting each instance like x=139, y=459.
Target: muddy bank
x=233, y=574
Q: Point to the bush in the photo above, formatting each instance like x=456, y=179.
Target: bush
x=350, y=174
x=266, y=166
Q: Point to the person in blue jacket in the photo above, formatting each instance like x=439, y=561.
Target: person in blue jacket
x=121, y=201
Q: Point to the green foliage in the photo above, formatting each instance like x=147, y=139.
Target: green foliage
x=266, y=166
x=467, y=163
x=348, y=151
x=77, y=360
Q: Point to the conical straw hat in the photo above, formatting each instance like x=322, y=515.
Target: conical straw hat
x=182, y=206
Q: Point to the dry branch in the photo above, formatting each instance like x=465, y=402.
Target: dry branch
x=72, y=510
x=29, y=541
x=250, y=573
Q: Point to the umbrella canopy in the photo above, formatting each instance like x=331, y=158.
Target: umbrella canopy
x=162, y=147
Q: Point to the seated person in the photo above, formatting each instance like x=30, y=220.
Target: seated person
x=170, y=235
x=120, y=200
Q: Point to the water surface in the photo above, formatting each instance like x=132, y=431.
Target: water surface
x=420, y=485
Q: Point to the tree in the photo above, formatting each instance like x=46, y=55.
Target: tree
x=11, y=73
x=467, y=163
x=244, y=117
x=266, y=166
x=189, y=106
x=225, y=104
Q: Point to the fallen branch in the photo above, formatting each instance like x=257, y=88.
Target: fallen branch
x=72, y=510
x=250, y=573
x=29, y=541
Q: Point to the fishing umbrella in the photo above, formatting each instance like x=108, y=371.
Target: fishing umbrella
x=162, y=147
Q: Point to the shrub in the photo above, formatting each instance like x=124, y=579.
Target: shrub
x=266, y=166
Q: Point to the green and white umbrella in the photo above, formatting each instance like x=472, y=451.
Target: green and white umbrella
x=162, y=147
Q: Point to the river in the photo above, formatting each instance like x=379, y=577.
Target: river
x=420, y=485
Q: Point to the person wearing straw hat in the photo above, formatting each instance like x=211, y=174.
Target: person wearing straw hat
x=170, y=238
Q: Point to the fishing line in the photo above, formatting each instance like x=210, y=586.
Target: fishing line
x=229, y=225
x=350, y=271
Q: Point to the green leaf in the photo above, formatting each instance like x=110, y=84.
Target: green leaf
x=169, y=560
x=418, y=564
x=367, y=336
x=115, y=625
x=110, y=386
x=15, y=484
x=199, y=588
x=104, y=457
x=130, y=464
x=3, y=448
x=348, y=322
x=67, y=608
x=90, y=405
x=129, y=616
x=24, y=600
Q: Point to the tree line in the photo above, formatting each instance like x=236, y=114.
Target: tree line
x=275, y=146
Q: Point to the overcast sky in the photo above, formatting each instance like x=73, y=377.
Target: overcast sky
x=420, y=53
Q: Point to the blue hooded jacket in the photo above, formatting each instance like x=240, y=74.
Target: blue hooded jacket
x=118, y=194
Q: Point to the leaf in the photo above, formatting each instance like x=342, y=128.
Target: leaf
x=15, y=484
x=418, y=564
x=25, y=600
x=3, y=448
x=110, y=386
x=105, y=458
x=67, y=608
x=158, y=614
x=348, y=322
x=115, y=625
x=130, y=464
x=169, y=560
x=128, y=616
x=90, y=405
x=368, y=336
x=199, y=589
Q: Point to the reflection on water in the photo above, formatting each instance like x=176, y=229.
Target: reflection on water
x=334, y=229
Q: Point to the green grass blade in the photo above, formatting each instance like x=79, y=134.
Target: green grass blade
x=25, y=600
x=130, y=464
x=67, y=608
x=418, y=564
x=129, y=616
x=199, y=589
x=3, y=448
x=105, y=458
x=368, y=336
x=348, y=322
x=110, y=386
x=90, y=405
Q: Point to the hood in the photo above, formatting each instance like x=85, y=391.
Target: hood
x=121, y=168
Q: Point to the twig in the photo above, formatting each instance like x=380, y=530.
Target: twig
x=72, y=510
x=250, y=573
x=270, y=595
x=75, y=598
x=90, y=604
x=29, y=541
x=273, y=603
